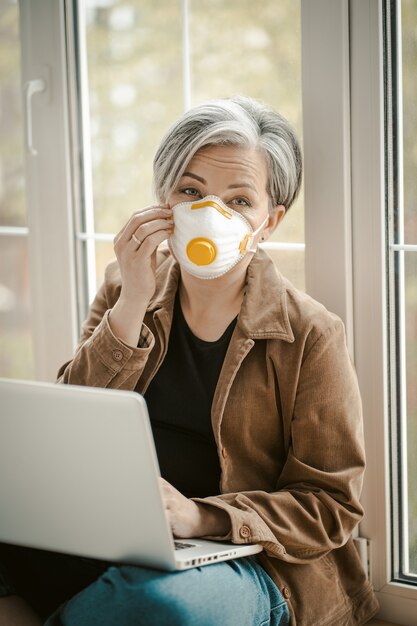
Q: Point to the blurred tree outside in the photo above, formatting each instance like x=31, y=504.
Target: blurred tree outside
x=12, y=181
x=16, y=356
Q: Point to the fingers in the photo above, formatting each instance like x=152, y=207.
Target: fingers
x=141, y=217
x=183, y=514
x=148, y=233
x=145, y=239
x=172, y=497
x=135, y=248
x=167, y=488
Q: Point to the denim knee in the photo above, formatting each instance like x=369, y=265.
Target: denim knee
x=151, y=598
x=129, y=596
x=232, y=593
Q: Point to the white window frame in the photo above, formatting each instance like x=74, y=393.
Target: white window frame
x=350, y=278
x=326, y=139
x=398, y=601
x=49, y=187
x=344, y=207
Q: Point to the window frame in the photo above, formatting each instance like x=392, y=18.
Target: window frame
x=370, y=192
x=49, y=188
x=343, y=58
x=327, y=167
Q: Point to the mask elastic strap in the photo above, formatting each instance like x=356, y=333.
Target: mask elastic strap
x=255, y=233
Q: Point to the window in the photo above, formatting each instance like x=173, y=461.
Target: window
x=110, y=91
x=95, y=135
x=402, y=288
x=384, y=279
x=146, y=64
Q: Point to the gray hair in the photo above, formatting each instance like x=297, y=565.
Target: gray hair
x=239, y=121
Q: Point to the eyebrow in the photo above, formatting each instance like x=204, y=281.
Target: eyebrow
x=234, y=186
x=191, y=175
x=238, y=185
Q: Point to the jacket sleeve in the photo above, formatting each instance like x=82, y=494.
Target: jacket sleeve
x=316, y=503
x=101, y=359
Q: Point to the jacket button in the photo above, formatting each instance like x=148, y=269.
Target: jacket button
x=244, y=531
x=117, y=355
x=286, y=593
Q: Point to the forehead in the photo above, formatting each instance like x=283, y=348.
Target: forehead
x=230, y=162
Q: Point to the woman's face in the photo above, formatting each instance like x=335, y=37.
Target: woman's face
x=235, y=174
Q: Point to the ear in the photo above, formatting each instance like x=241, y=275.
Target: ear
x=275, y=218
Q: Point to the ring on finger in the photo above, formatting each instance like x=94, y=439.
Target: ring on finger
x=135, y=239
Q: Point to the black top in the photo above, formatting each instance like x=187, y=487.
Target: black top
x=179, y=400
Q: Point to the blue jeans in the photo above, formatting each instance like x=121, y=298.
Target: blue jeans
x=232, y=593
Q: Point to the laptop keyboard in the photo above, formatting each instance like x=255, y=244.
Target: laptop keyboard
x=181, y=545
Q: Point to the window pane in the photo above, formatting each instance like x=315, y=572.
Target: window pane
x=410, y=274
x=12, y=182
x=136, y=91
x=253, y=49
x=409, y=86
x=134, y=52
x=409, y=220
x=16, y=358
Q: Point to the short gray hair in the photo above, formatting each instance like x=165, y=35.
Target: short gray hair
x=239, y=121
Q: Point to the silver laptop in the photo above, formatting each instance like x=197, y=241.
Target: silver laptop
x=79, y=474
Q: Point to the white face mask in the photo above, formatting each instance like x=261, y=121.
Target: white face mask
x=210, y=238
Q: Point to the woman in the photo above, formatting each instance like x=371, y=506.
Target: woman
x=253, y=400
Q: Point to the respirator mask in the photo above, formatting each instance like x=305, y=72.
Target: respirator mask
x=210, y=238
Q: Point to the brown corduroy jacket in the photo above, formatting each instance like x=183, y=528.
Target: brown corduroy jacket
x=287, y=421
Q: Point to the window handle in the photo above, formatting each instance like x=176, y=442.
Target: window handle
x=32, y=87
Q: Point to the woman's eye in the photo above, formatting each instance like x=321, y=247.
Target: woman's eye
x=190, y=191
x=241, y=202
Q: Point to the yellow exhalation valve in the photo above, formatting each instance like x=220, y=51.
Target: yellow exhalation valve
x=201, y=251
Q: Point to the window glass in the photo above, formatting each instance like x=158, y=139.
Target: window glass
x=12, y=181
x=134, y=53
x=136, y=58
x=16, y=358
x=410, y=290
x=409, y=88
x=409, y=221
x=251, y=48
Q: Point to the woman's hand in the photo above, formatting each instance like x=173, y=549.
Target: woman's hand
x=135, y=248
x=192, y=519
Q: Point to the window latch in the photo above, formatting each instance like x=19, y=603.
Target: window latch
x=31, y=88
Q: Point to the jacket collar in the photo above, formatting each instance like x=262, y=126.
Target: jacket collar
x=264, y=312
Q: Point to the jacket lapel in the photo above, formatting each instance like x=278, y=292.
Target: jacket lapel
x=263, y=315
